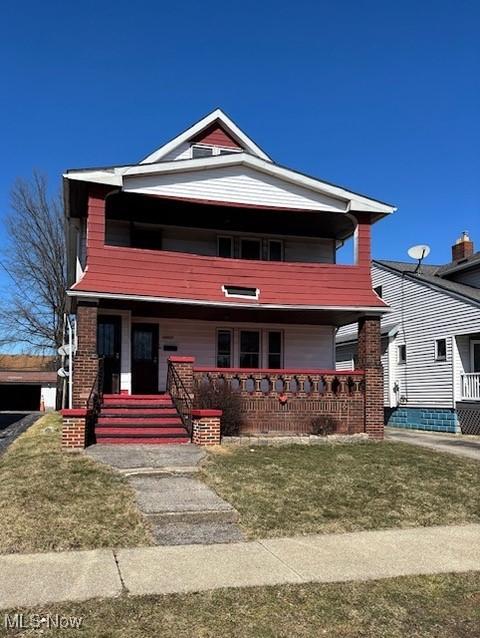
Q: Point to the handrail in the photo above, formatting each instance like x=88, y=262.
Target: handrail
x=470, y=386
x=180, y=396
x=280, y=371
x=96, y=392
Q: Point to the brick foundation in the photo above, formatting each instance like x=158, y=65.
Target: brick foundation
x=85, y=363
x=74, y=429
x=206, y=427
x=369, y=360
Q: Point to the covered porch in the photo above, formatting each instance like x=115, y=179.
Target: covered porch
x=280, y=362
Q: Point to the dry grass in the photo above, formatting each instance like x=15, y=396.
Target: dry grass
x=443, y=606
x=282, y=491
x=51, y=500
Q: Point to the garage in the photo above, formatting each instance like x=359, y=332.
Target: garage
x=27, y=383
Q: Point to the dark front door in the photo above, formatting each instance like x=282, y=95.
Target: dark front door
x=144, y=358
x=108, y=348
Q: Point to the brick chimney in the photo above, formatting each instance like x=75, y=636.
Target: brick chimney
x=462, y=248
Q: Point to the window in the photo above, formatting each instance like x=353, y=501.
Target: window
x=379, y=291
x=402, y=354
x=250, y=248
x=275, y=250
x=441, y=350
x=249, y=349
x=224, y=247
x=147, y=236
x=224, y=348
x=201, y=151
x=275, y=349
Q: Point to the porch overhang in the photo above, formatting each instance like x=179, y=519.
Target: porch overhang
x=142, y=306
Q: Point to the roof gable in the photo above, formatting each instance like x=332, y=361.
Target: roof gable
x=215, y=125
x=216, y=135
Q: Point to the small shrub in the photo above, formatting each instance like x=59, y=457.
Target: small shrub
x=221, y=397
x=323, y=425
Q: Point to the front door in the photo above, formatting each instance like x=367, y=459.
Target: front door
x=108, y=348
x=144, y=358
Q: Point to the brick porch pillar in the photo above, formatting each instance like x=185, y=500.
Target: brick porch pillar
x=85, y=363
x=184, y=369
x=369, y=353
x=206, y=427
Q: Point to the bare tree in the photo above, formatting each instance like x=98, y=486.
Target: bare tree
x=32, y=310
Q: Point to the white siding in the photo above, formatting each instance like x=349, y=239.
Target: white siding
x=181, y=152
x=304, y=346
x=423, y=315
x=344, y=355
x=204, y=242
x=238, y=184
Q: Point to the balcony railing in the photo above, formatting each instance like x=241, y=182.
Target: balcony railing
x=471, y=386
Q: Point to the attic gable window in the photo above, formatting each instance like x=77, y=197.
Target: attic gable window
x=241, y=292
x=201, y=150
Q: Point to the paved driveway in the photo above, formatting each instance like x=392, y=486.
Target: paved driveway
x=453, y=443
x=12, y=424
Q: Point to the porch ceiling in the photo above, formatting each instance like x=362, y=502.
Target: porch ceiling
x=247, y=315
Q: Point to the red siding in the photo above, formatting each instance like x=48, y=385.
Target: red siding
x=216, y=136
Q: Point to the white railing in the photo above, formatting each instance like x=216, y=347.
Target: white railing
x=471, y=386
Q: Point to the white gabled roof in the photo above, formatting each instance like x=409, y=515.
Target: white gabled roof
x=215, y=116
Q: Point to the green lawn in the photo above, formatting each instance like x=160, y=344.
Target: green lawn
x=344, y=487
x=445, y=606
x=53, y=500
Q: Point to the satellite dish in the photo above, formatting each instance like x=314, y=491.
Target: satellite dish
x=64, y=350
x=62, y=373
x=419, y=252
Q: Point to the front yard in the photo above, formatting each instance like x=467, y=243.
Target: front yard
x=283, y=491
x=442, y=606
x=51, y=500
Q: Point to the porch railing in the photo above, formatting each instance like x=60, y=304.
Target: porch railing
x=471, y=386
x=181, y=397
x=289, y=382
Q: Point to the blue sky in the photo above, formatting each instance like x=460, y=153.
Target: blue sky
x=382, y=97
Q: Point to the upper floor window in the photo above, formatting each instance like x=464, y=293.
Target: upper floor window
x=402, y=353
x=145, y=236
x=275, y=250
x=250, y=249
x=225, y=246
x=440, y=350
x=379, y=291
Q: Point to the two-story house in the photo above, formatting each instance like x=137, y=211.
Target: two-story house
x=210, y=260
x=430, y=342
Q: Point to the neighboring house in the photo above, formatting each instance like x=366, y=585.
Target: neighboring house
x=27, y=382
x=208, y=260
x=430, y=342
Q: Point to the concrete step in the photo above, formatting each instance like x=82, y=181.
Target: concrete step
x=136, y=397
x=188, y=533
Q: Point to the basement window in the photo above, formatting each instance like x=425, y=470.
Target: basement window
x=240, y=291
x=440, y=350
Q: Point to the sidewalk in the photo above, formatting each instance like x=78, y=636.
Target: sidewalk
x=458, y=444
x=38, y=579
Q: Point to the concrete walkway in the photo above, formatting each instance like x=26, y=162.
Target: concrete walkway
x=40, y=579
x=461, y=445
x=181, y=509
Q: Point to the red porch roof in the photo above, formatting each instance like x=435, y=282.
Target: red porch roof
x=179, y=276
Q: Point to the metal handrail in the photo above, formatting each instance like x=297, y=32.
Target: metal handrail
x=180, y=396
x=95, y=397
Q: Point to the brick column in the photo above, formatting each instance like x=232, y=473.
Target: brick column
x=85, y=363
x=184, y=369
x=74, y=429
x=369, y=353
x=206, y=427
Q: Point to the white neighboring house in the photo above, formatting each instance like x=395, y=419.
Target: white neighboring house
x=430, y=342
